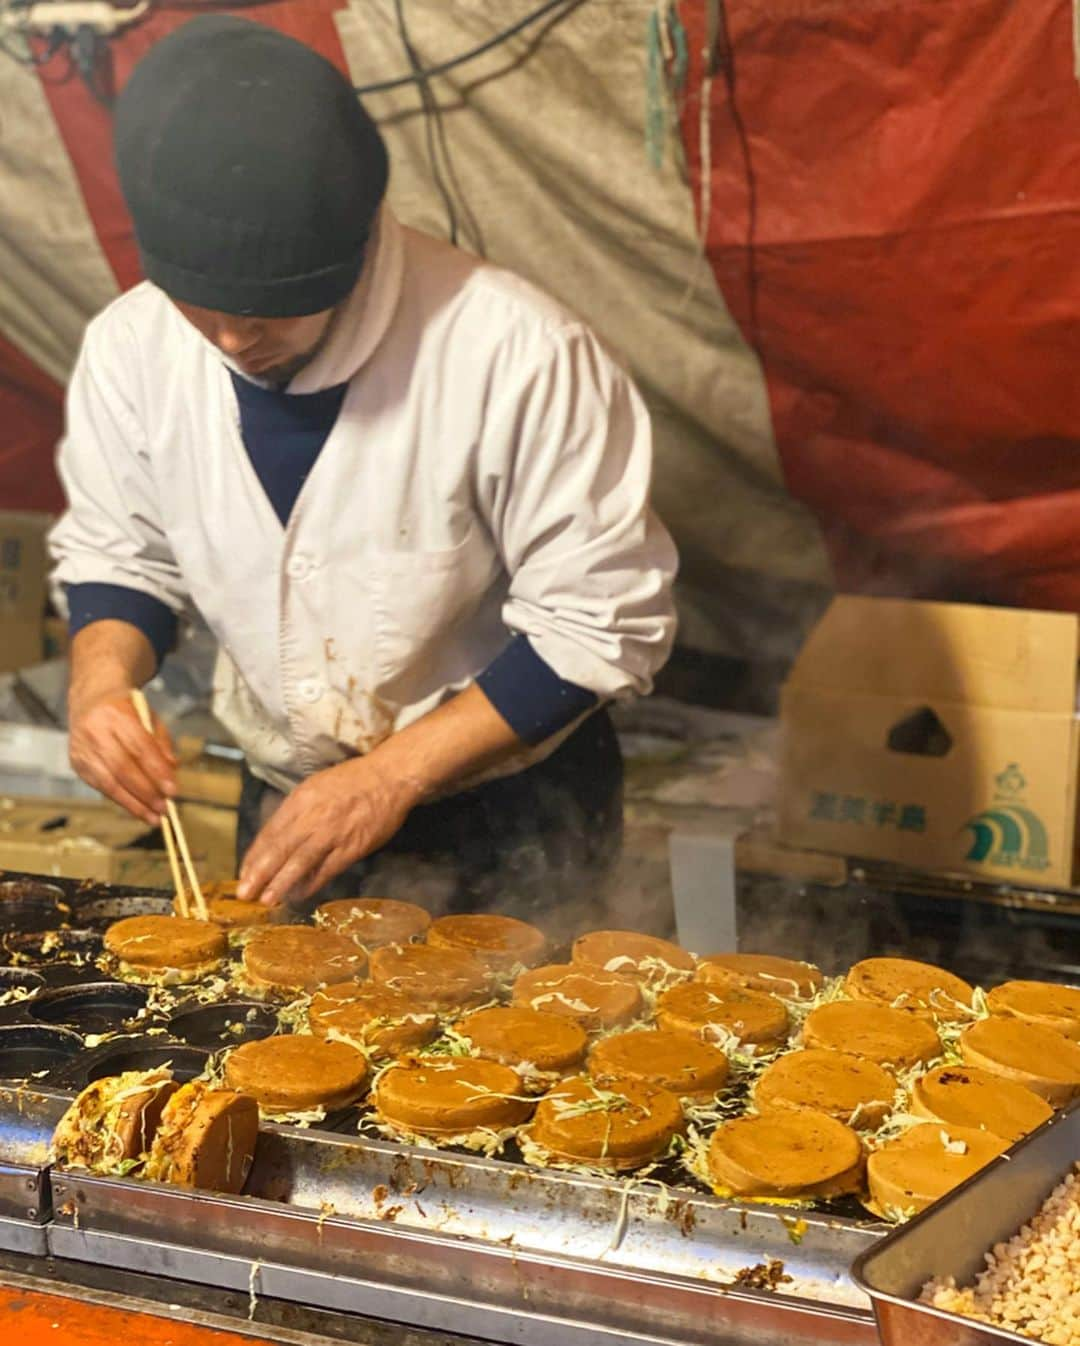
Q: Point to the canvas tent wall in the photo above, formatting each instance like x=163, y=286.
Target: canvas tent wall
x=865, y=373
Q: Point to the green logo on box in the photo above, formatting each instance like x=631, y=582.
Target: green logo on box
x=1009, y=835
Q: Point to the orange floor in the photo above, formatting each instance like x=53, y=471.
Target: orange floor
x=32, y=1319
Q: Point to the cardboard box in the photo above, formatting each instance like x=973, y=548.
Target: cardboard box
x=80, y=839
x=204, y=779
x=939, y=736
x=23, y=570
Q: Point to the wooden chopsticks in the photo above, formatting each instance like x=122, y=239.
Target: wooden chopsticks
x=174, y=836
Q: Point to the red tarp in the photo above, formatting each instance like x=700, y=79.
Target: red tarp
x=911, y=277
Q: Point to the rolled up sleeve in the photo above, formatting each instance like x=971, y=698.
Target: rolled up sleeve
x=567, y=465
x=111, y=533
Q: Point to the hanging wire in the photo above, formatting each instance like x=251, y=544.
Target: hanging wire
x=432, y=117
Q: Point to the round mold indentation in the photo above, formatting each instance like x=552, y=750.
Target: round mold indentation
x=28, y=1050
x=20, y=979
x=100, y=912
x=142, y=1053
x=30, y=890
x=53, y=946
x=27, y=906
x=225, y=1025
x=100, y=1007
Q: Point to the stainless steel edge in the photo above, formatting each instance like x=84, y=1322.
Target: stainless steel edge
x=23, y=1236
x=27, y=1119
x=534, y=1318
x=952, y=1237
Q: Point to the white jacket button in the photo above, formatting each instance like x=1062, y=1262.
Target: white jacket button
x=298, y=567
x=310, y=689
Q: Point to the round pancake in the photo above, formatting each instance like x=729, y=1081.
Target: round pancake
x=645, y=958
x=967, y=1096
x=903, y=984
x=232, y=914
x=709, y=1013
x=296, y=1073
x=374, y=921
x=384, y=1021
x=619, y=1124
x=500, y=942
x=206, y=1140
x=892, y=1038
x=762, y=972
x=674, y=1061
x=450, y=1095
x=913, y=1171
x=434, y=979
x=290, y=959
x=516, y=1035
x=1043, y=1061
x=800, y=1153
x=156, y=943
x=848, y=1088
x=1043, y=1003
x=220, y=888
x=594, y=999
x=97, y=1131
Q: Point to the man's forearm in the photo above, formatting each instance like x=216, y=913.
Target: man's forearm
x=108, y=746
x=462, y=736
x=348, y=811
x=108, y=658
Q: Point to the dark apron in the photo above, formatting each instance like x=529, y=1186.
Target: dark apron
x=539, y=844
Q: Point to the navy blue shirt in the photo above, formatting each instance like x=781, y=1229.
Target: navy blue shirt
x=284, y=433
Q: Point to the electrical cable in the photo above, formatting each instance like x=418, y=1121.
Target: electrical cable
x=432, y=116
x=496, y=40
x=725, y=62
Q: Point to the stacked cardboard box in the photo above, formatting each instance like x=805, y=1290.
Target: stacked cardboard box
x=939, y=736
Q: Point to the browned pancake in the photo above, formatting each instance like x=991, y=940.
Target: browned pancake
x=374, y=921
x=617, y=1124
x=910, y=1173
x=206, y=1140
x=710, y=1013
x=1045, y=1004
x=500, y=942
x=450, y=1096
x=434, y=979
x=966, y=1096
x=596, y=1000
x=382, y=1021
x=762, y=972
x=645, y=958
x=904, y=984
x=1046, y=1062
x=289, y=959
x=674, y=1061
x=786, y=1154
x=185, y=949
x=297, y=1073
x=893, y=1038
x=518, y=1036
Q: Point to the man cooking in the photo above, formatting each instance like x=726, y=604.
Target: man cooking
x=408, y=493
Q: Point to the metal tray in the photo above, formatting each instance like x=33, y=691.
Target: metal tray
x=478, y=1246
x=490, y=1248
x=954, y=1235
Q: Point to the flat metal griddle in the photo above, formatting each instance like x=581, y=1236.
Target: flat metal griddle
x=490, y=1248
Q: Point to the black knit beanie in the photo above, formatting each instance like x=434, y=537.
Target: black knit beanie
x=250, y=169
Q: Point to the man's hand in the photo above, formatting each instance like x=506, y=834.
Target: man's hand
x=333, y=819
x=346, y=812
x=108, y=746
x=111, y=751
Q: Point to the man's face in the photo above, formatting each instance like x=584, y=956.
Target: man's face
x=274, y=349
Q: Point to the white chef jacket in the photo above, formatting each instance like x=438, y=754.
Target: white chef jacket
x=488, y=474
